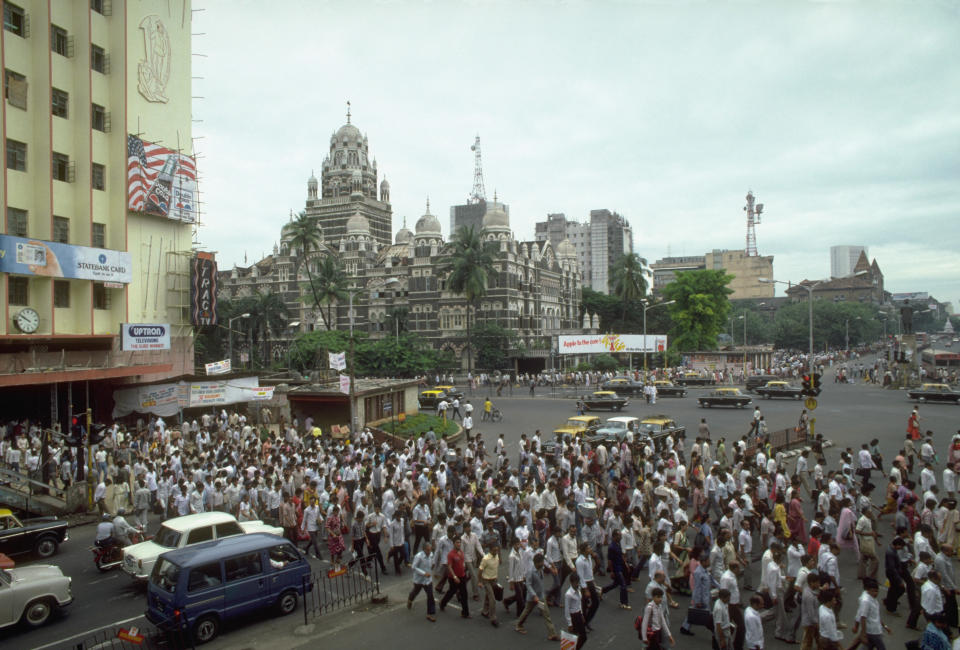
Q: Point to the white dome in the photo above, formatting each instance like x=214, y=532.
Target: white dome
x=566, y=250
x=358, y=224
x=428, y=224
x=404, y=236
x=496, y=219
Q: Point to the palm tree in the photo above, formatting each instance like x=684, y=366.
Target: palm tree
x=628, y=281
x=468, y=263
x=331, y=286
x=268, y=317
x=305, y=238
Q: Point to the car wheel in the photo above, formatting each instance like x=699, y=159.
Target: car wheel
x=45, y=547
x=287, y=602
x=206, y=629
x=38, y=612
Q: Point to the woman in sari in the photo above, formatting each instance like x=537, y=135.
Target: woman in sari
x=335, y=542
x=795, y=520
x=780, y=516
x=846, y=535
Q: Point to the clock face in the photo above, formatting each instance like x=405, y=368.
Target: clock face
x=28, y=320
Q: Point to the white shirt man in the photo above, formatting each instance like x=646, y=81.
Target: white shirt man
x=753, y=626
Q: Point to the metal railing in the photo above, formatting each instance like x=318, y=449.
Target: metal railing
x=131, y=637
x=328, y=592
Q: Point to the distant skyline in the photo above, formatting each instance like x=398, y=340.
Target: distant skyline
x=842, y=117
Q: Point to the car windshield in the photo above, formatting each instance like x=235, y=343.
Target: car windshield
x=649, y=427
x=616, y=426
x=167, y=537
x=165, y=575
x=576, y=424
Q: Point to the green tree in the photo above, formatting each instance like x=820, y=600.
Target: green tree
x=468, y=265
x=331, y=287
x=700, y=309
x=493, y=344
x=306, y=239
x=629, y=285
x=396, y=321
x=268, y=318
x=830, y=324
x=605, y=363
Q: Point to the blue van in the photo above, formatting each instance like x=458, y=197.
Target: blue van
x=207, y=584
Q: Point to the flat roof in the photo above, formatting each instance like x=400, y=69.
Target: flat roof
x=216, y=549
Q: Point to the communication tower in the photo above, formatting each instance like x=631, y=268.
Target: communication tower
x=478, y=195
x=753, y=218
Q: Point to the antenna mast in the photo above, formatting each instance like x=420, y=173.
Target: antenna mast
x=753, y=218
x=478, y=194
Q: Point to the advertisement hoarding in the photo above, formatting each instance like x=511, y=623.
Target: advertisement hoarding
x=144, y=337
x=612, y=343
x=55, y=260
x=203, y=290
x=218, y=367
x=160, y=181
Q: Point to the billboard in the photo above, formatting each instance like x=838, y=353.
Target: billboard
x=56, y=260
x=144, y=337
x=203, y=290
x=160, y=181
x=610, y=343
x=218, y=367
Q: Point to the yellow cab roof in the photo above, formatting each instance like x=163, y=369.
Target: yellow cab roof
x=941, y=386
x=662, y=382
x=5, y=512
x=619, y=381
x=657, y=419
x=777, y=383
x=586, y=419
x=432, y=392
x=604, y=392
x=730, y=391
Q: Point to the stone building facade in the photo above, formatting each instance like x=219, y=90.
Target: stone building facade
x=535, y=291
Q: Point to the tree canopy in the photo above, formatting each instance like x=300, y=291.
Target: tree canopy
x=700, y=309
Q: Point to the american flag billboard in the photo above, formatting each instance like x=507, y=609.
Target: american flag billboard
x=160, y=181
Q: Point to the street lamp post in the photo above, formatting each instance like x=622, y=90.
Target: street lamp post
x=353, y=393
x=230, y=329
x=809, y=288
x=847, y=334
x=647, y=306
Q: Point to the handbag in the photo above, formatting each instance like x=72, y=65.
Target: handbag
x=498, y=591
x=697, y=616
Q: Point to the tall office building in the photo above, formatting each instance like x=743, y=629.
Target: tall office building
x=100, y=202
x=598, y=242
x=843, y=260
x=471, y=214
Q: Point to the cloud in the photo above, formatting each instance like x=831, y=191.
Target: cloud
x=842, y=117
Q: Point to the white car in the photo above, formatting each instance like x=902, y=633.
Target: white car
x=138, y=559
x=31, y=594
x=618, y=429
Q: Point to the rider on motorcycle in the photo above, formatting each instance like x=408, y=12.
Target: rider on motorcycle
x=121, y=529
x=105, y=532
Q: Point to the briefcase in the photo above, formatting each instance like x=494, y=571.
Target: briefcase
x=498, y=591
x=702, y=617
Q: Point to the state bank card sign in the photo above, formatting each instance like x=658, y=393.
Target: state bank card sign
x=144, y=337
x=612, y=343
x=55, y=260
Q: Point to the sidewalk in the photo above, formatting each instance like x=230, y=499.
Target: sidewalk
x=282, y=633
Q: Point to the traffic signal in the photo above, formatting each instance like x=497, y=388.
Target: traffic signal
x=807, y=382
x=815, y=384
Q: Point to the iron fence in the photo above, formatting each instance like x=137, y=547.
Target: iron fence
x=131, y=637
x=328, y=592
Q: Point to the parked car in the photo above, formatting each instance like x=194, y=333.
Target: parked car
x=657, y=427
x=754, y=382
x=779, y=388
x=616, y=428
x=669, y=389
x=604, y=399
x=623, y=386
x=228, y=578
x=935, y=393
x=430, y=398
x=31, y=594
x=41, y=535
x=138, y=559
x=725, y=397
x=451, y=391
x=695, y=379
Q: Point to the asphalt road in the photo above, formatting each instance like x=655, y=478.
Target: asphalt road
x=848, y=414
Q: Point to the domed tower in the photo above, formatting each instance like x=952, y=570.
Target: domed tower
x=566, y=253
x=385, y=193
x=312, y=187
x=404, y=235
x=428, y=237
x=496, y=223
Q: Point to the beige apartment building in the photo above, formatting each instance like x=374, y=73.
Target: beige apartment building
x=100, y=200
x=746, y=271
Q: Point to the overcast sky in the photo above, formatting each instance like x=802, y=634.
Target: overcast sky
x=842, y=117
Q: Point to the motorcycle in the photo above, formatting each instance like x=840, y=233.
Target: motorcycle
x=109, y=556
